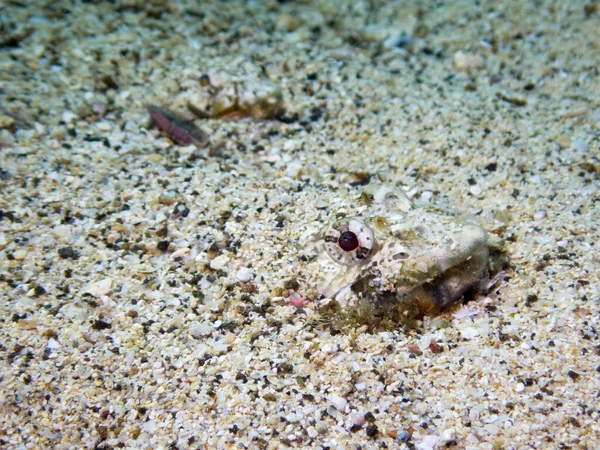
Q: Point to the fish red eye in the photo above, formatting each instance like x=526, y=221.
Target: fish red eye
x=348, y=241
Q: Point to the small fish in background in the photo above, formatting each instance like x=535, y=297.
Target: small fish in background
x=176, y=127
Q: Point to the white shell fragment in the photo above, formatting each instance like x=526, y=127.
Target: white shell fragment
x=465, y=61
x=244, y=275
x=219, y=263
x=101, y=287
x=338, y=402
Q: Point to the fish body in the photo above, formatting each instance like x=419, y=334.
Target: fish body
x=391, y=253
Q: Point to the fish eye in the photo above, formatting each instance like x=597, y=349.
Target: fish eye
x=349, y=242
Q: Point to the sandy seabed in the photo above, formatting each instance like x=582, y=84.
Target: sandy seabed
x=148, y=289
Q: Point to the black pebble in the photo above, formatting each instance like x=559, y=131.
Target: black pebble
x=163, y=246
x=573, y=375
x=372, y=430
x=39, y=290
x=68, y=252
x=101, y=325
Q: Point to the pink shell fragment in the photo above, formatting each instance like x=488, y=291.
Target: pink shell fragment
x=297, y=301
x=178, y=128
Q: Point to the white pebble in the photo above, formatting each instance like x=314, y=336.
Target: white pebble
x=294, y=169
x=292, y=418
x=469, y=332
x=180, y=253
x=338, y=402
x=329, y=349
x=426, y=196
x=62, y=231
x=104, y=126
x=448, y=435
x=219, y=346
x=339, y=358
x=68, y=116
x=219, y=262
x=321, y=204
x=520, y=387
x=475, y=190
x=243, y=275
x=150, y=426
x=200, y=329
x=543, y=239
x=463, y=61
x=428, y=442
x=53, y=344
x=357, y=418
x=580, y=145
x=101, y=287
x=20, y=254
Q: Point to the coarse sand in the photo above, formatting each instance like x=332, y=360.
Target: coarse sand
x=154, y=295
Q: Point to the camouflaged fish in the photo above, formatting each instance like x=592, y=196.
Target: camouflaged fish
x=393, y=255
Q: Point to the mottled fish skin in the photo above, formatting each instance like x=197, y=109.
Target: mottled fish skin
x=420, y=255
x=177, y=127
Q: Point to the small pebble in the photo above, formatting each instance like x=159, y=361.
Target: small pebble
x=292, y=418
x=448, y=435
x=426, y=196
x=398, y=42
x=321, y=426
x=329, y=349
x=357, y=418
x=464, y=61
x=287, y=23
x=6, y=121
x=219, y=262
x=99, y=108
x=338, y=402
x=101, y=287
x=53, y=344
x=580, y=145
x=573, y=375
x=312, y=432
x=244, y=275
x=104, y=126
x=200, y=329
x=469, y=332
x=435, y=347
x=298, y=301
x=180, y=252
x=403, y=436
x=475, y=190
x=150, y=426
x=372, y=430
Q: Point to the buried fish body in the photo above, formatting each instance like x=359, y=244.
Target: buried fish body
x=399, y=259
